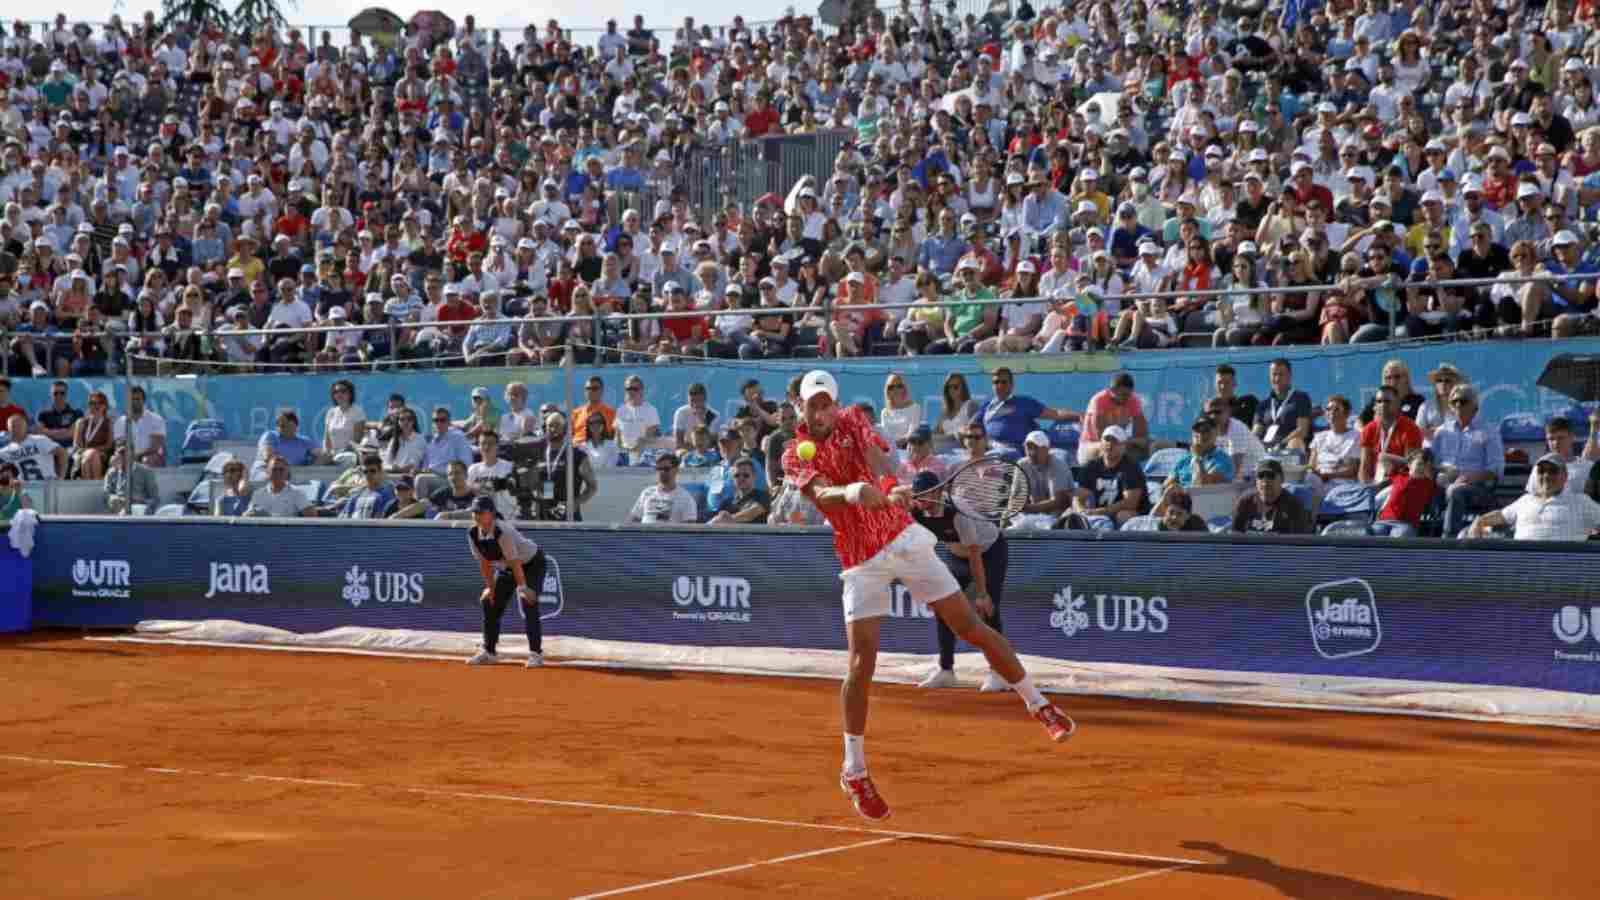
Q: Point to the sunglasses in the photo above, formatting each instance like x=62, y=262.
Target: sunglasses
x=374, y=470
x=632, y=388
x=1266, y=476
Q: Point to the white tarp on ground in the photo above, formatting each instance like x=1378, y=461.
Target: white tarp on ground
x=1521, y=705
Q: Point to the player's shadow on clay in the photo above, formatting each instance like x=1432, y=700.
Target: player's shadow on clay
x=1300, y=884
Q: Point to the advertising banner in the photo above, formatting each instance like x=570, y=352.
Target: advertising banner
x=1171, y=384
x=1450, y=613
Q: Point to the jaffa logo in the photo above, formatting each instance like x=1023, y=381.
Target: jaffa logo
x=1344, y=618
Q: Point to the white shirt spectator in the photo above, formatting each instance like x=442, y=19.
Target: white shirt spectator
x=1333, y=450
x=294, y=314
x=147, y=426
x=285, y=504
x=632, y=422
x=656, y=505
x=1561, y=518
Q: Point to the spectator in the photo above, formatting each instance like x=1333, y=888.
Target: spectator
x=489, y=475
x=919, y=456
x=1560, y=442
x=555, y=467
x=772, y=445
x=1236, y=440
x=517, y=422
x=446, y=444
x=594, y=401
x=664, y=501
x=403, y=451
x=1387, y=441
x=1283, y=421
x=36, y=457
x=1226, y=382
x=1471, y=459
x=12, y=497
x=1205, y=462
x=749, y=503
x=8, y=407
x=1411, y=492
x=453, y=500
x=149, y=431
x=118, y=479
x=1008, y=417
x=757, y=408
x=287, y=442
x=1335, y=452
x=638, y=424
x=277, y=498
x=1050, y=483
x=1116, y=404
x=484, y=417
x=375, y=499
x=719, y=480
x=1397, y=376
x=600, y=443
x=236, y=495
x=91, y=439
x=1269, y=509
x=56, y=422
x=1114, y=488
x=1436, y=411
x=1546, y=513
x=344, y=425
x=1175, y=512
x=901, y=414
x=691, y=415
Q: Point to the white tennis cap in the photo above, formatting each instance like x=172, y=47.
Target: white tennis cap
x=818, y=382
x=1037, y=438
x=1115, y=433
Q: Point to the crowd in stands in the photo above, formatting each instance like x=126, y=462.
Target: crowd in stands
x=181, y=184
x=1407, y=463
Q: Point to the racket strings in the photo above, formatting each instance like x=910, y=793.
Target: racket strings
x=996, y=491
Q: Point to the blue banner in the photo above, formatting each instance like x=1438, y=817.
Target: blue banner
x=1172, y=384
x=1526, y=616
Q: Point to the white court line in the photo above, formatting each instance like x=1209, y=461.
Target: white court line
x=739, y=868
x=1085, y=888
x=646, y=810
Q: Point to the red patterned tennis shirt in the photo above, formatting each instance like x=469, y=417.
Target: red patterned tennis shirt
x=858, y=533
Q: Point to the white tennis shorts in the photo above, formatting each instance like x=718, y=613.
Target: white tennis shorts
x=909, y=559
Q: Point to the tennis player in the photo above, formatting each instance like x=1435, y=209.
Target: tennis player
x=877, y=542
x=511, y=564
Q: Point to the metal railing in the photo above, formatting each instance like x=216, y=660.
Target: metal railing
x=597, y=321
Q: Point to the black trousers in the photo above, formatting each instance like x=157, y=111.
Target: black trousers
x=995, y=560
x=505, y=587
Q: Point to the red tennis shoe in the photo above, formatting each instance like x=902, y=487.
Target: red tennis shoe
x=1056, y=723
x=864, y=796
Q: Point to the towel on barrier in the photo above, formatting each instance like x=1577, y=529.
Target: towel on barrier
x=22, y=528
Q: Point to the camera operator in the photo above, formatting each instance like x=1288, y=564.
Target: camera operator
x=491, y=477
x=555, y=469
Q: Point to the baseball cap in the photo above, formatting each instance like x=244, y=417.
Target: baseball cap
x=478, y=392
x=817, y=382
x=1115, y=433
x=1551, y=459
x=1270, y=465
x=921, y=433
x=1037, y=439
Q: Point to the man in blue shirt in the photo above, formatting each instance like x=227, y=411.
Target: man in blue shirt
x=287, y=442
x=1205, y=463
x=1008, y=417
x=375, y=500
x=445, y=444
x=1471, y=459
x=941, y=252
x=720, y=483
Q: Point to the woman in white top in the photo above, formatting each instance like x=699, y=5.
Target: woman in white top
x=901, y=415
x=345, y=423
x=1411, y=71
x=599, y=442
x=402, y=453
x=1336, y=452
x=983, y=193
x=956, y=409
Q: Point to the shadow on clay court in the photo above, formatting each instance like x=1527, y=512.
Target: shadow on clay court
x=1299, y=884
x=603, y=670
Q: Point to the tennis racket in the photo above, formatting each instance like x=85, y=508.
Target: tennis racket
x=988, y=489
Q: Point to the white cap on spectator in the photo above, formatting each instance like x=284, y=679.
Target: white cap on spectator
x=336, y=313
x=1361, y=172
x=966, y=263
x=527, y=244
x=1248, y=126
x=1089, y=175
x=671, y=287
x=1248, y=248
x=858, y=278
x=1015, y=178
x=235, y=272
x=1037, y=438
x=1086, y=206
x=1137, y=173
x=1564, y=237
x=1573, y=64
x=1528, y=189
x=1114, y=433
x=1027, y=266
x=38, y=304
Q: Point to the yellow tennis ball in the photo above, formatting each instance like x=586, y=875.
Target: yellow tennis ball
x=806, y=450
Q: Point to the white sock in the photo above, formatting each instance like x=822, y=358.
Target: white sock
x=855, y=753
x=1030, y=694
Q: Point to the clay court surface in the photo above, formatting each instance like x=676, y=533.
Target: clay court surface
x=238, y=773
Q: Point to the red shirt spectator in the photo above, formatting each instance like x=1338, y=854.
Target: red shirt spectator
x=291, y=224
x=1408, y=499
x=762, y=120
x=454, y=309
x=1397, y=439
x=464, y=241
